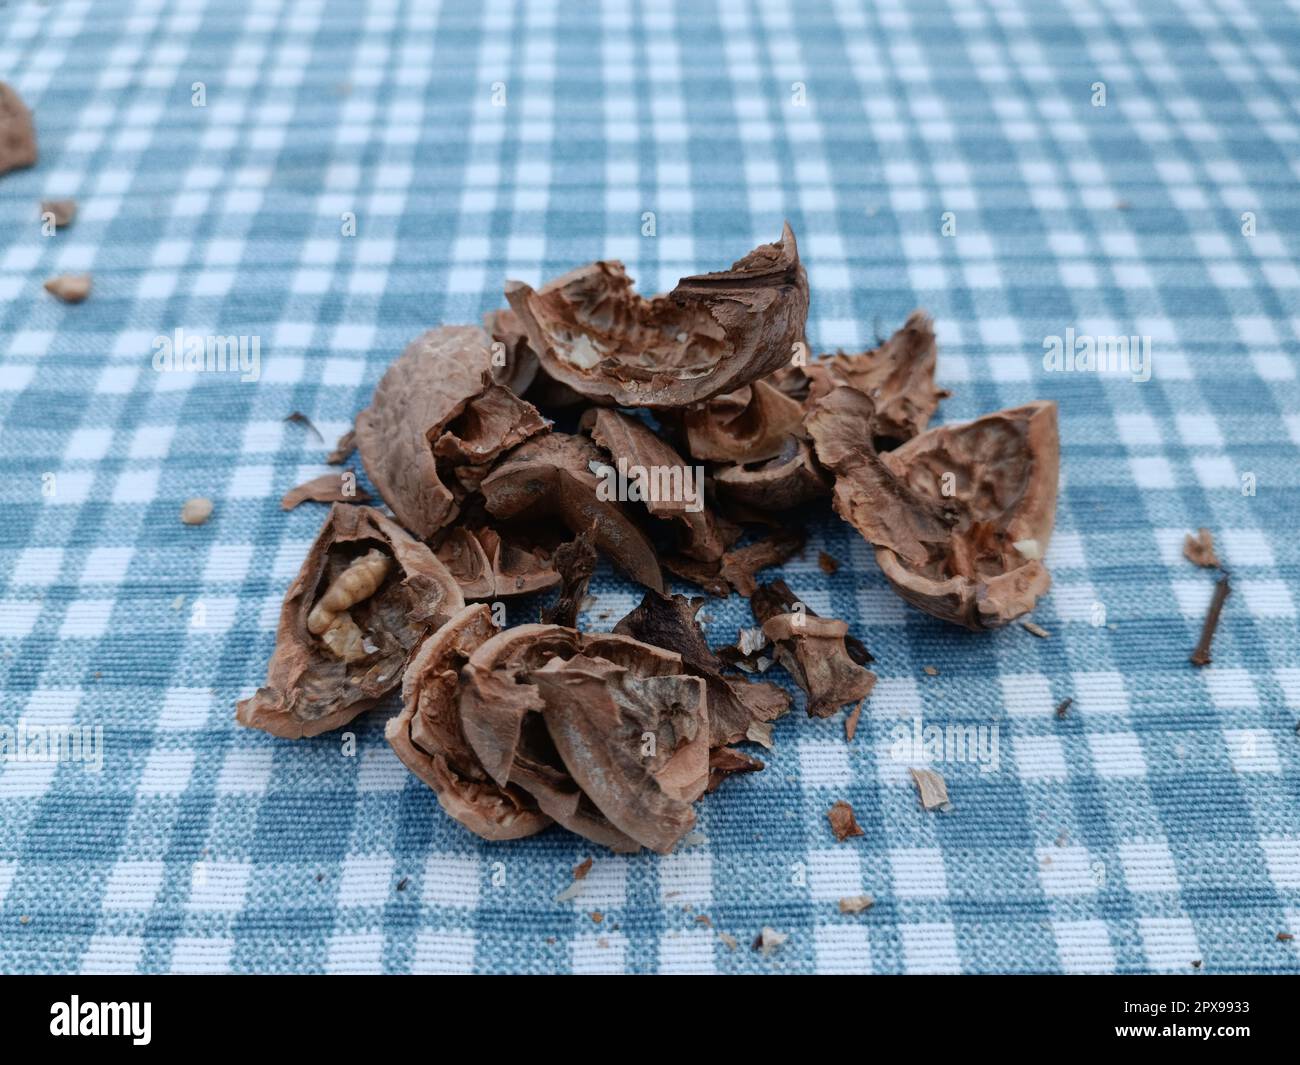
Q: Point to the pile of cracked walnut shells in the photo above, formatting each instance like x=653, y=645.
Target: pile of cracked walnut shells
x=616, y=735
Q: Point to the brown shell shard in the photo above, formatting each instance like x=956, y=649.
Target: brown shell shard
x=735, y=705
x=327, y=488
x=1199, y=549
x=61, y=212
x=814, y=650
x=70, y=288
x=748, y=425
x=575, y=563
x=437, y=407
x=880, y=505
x=565, y=716
x=428, y=738
x=463, y=555
x=740, y=566
x=603, y=718
x=514, y=364
x=960, y=516
x=898, y=377
x=17, y=133
x=552, y=475
x=310, y=689
x=843, y=823
x=790, y=479
x=343, y=449
x=726, y=761
x=670, y=489
x=712, y=334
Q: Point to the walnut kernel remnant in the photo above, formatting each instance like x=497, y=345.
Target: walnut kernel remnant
x=70, y=288
x=196, y=511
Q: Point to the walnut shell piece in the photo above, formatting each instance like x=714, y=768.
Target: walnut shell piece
x=898, y=376
x=713, y=333
x=316, y=684
x=748, y=425
x=427, y=734
x=609, y=735
x=671, y=489
x=734, y=704
x=789, y=480
x=817, y=652
x=17, y=132
x=960, y=516
x=1006, y=466
x=61, y=212
x=437, y=408
x=552, y=476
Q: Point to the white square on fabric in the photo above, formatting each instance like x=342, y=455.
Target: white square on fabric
x=930, y=947
x=452, y=881
x=918, y=873
x=1149, y=866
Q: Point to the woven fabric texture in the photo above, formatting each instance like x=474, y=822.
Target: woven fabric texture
x=1023, y=170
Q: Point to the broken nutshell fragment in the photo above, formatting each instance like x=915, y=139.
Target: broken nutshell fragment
x=365, y=595
x=551, y=476
x=575, y=562
x=788, y=480
x=514, y=364
x=608, y=734
x=748, y=425
x=960, y=516
x=343, y=449
x=17, y=133
x=428, y=738
x=736, y=706
x=738, y=567
x=817, y=652
x=712, y=334
x=843, y=823
x=898, y=377
x=327, y=488
x=437, y=408
x=1200, y=549
x=932, y=789
x=727, y=761
x=741, y=565
x=658, y=477
x=60, y=212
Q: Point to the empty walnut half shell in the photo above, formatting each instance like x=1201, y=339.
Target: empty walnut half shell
x=364, y=596
x=436, y=408
x=712, y=334
x=608, y=734
x=898, y=376
x=552, y=476
x=960, y=516
x=428, y=738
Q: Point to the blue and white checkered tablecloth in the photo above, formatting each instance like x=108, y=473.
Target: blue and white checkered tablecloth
x=1155, y=827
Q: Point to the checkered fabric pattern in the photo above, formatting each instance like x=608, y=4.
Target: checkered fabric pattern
x=951, y=154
